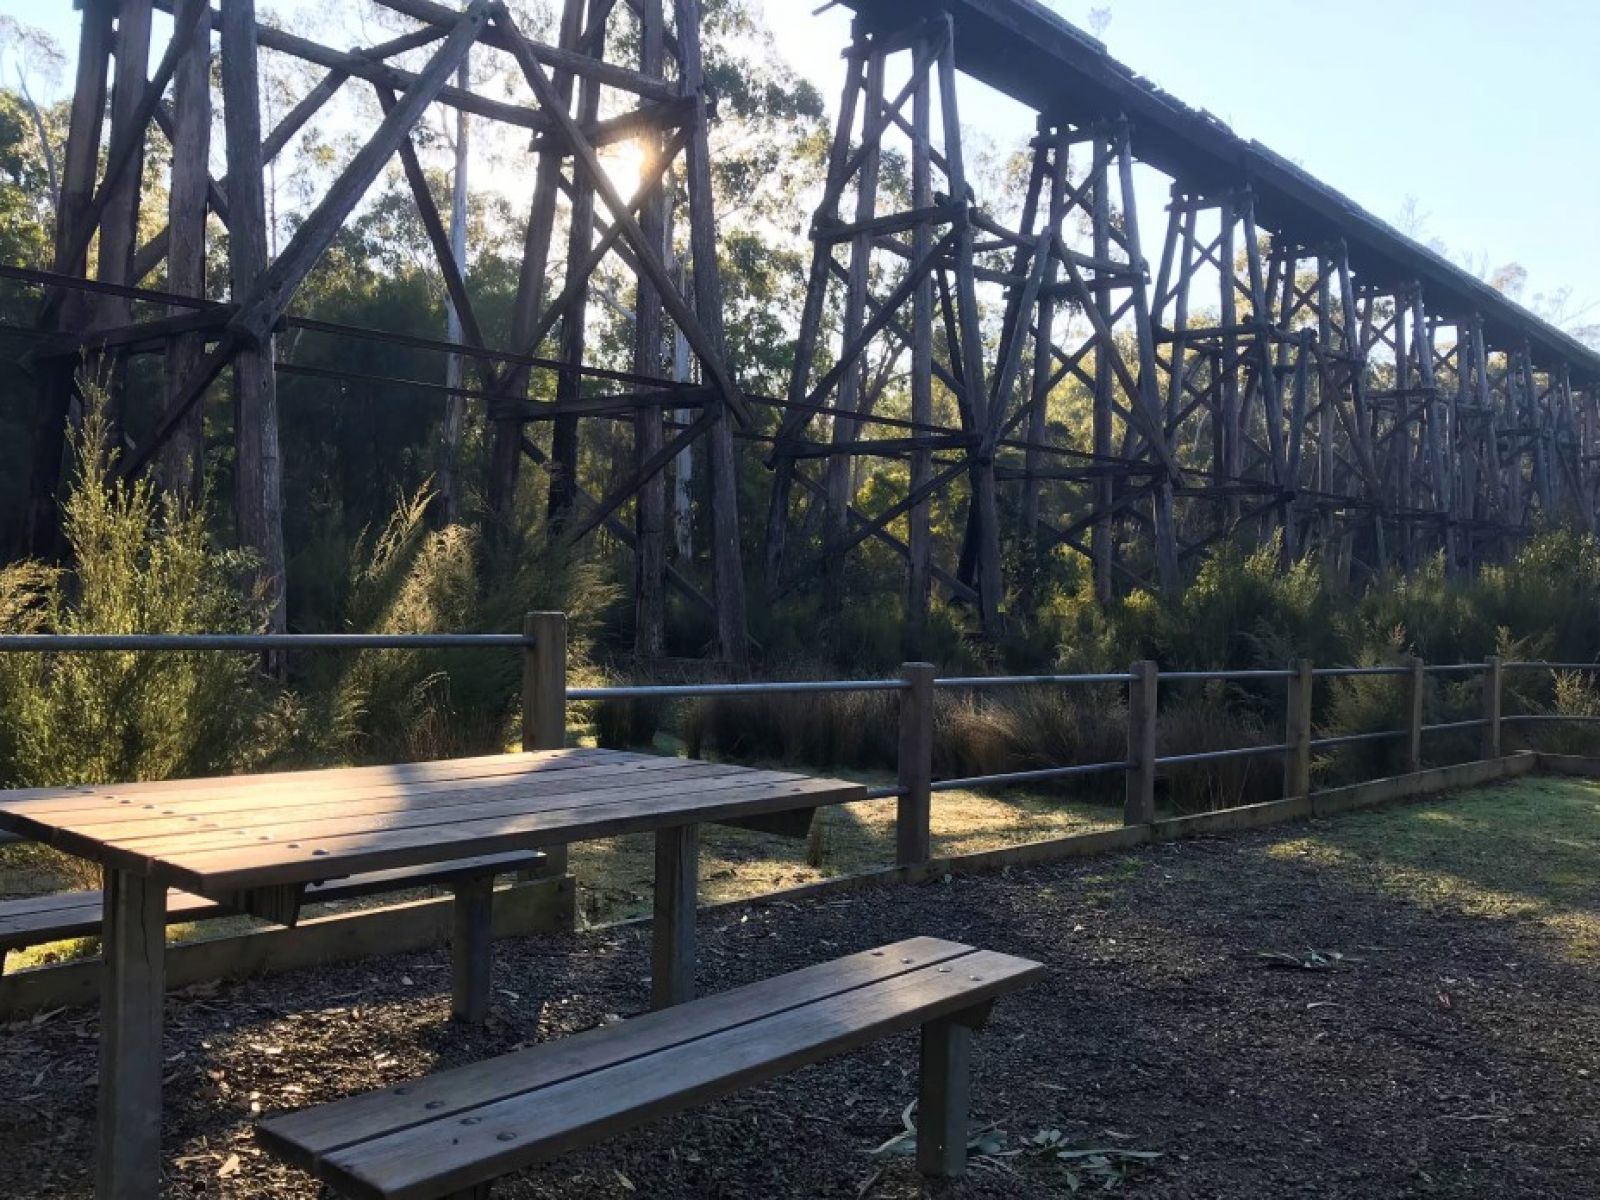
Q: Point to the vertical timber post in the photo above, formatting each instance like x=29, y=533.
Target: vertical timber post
x=181, y=464
x=1416, y=696
x=1102, y=544
x=563, y=490
x=258, y=474
x=913, y=814
x=119, y=222
x=944, y=1097
x=1493, y=670
x=919, y=526
x=506, y=451
x=985, y=505
x=80, y=164
x=544, y=698
x=472, y=949
x=727, y=565
x=451, y=487
x=1297, y=734
x=1139, y=805
x=132, y=992
x=1148, y=397
x=650, y=511
x=854, y=385
x=1034, y=547
x=672, y=932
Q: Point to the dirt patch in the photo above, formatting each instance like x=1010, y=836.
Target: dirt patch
x=1270, y=1018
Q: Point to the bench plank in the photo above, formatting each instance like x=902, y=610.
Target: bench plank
x=475, y=807
x=448, y=1154
x=233, y=870
x=169, y=815
x=77, y=797
x=29, y=926
x=37, y=919
x=304, y=1136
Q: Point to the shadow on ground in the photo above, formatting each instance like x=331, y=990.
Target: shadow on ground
x=1443, y=1041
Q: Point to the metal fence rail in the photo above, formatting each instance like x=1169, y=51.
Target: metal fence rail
x=253, y=643
x=1350, y=739
x=1041, y=775
x=680, y=691
x=976, y=682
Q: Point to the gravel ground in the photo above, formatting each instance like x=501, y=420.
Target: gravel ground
x=1439, y=1054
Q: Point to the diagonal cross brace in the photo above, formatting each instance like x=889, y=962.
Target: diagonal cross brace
x=1012, y=363
x=647, y=471
x=268, y=300
x=603, y=245
x=153, y=251
x=583, y=154
x=454, y=284
x=121, y=155
x=1141, y=403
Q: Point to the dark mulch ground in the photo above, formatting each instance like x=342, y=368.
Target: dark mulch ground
x=1446, y=1055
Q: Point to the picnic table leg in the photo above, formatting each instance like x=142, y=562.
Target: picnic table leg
x=128, y=1165
x=472, y=949
x=944, y=1098
x=673, y=950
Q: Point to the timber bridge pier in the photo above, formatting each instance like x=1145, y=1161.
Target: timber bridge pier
x=1263, y=358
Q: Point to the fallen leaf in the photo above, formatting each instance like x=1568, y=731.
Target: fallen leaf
x=230, y=1166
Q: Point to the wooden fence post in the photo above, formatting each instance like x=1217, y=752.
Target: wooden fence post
x=1139, y=803
x=1297, y=733
x=544, y=699
x=913, y=836
x=1490, y=745
x=1415, y=698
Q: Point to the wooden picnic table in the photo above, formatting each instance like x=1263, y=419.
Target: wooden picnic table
x=253, y=843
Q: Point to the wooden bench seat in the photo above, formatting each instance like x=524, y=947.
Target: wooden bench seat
x=34, y=920
x=454, y=1133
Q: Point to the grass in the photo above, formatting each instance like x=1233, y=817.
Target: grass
x=1519, y=851
x=615, y=876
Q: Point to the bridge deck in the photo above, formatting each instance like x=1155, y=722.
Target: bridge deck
x=1022, y=49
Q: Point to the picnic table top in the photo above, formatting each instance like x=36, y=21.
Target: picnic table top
x=226, y=835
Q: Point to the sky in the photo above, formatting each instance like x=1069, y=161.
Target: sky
x=1467, y=122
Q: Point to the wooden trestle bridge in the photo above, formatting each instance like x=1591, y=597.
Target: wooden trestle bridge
x=1267, y=362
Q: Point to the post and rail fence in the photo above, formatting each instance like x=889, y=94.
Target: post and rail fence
x=546, y=696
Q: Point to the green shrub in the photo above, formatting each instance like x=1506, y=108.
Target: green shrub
x=412, y=705
x=1573, y=694
x=1246, y=610
x=1548, y=597
x=1361, y=704
x=137, y=563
